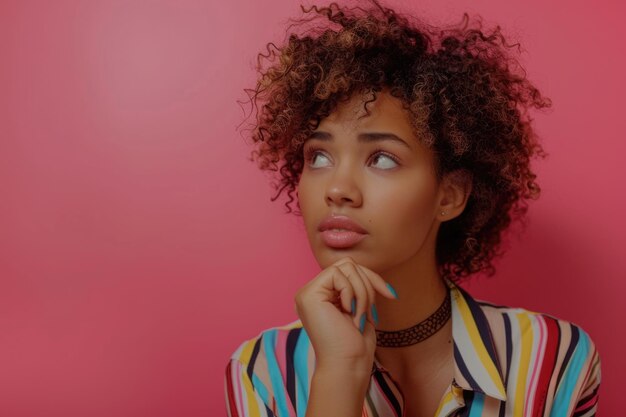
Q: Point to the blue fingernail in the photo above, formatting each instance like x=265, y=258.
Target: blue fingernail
x=362, y=325
x=395, y=294
x=353, y=308
x=375, y=313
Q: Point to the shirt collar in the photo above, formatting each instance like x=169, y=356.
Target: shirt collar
x=476, y=364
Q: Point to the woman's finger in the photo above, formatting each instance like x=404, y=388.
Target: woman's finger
x=371, y=293
x=362, y=297
x=340, y=284
x=379, y=283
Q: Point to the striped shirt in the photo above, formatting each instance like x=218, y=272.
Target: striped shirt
x=508, y=362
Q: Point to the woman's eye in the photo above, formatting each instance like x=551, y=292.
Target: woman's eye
x=390, y=162
x=311, y=157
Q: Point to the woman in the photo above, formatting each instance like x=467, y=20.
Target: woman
x=409, y=149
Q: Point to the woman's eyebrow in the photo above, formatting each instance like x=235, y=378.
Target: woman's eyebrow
x=367, y=137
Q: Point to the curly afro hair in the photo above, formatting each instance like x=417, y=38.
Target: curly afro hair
x=467, y=96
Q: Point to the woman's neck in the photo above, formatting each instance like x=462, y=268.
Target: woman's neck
x=421, y=291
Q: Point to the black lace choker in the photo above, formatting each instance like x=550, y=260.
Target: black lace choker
x=420, y=332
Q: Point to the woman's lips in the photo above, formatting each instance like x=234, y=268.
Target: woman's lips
x=341, y=238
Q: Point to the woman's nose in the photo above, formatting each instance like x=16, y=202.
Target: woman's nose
x=343, y=188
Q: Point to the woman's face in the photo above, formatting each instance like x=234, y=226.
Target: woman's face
x=374, y=170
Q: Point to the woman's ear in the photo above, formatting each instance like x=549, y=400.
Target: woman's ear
x=454, y=191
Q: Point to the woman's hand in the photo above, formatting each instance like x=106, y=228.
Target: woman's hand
x=324, y=306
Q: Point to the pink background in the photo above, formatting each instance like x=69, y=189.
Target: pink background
x=139, y=247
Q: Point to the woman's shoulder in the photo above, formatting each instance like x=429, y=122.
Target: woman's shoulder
x=273, y=365
x=272, y=345
x=563, y=350
x=261, y=372
x=521, y=323
x=519, y=327
x=531, y=354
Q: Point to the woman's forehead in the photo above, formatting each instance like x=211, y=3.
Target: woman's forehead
x=384, y=109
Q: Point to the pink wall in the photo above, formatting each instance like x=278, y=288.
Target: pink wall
x=138, y=246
